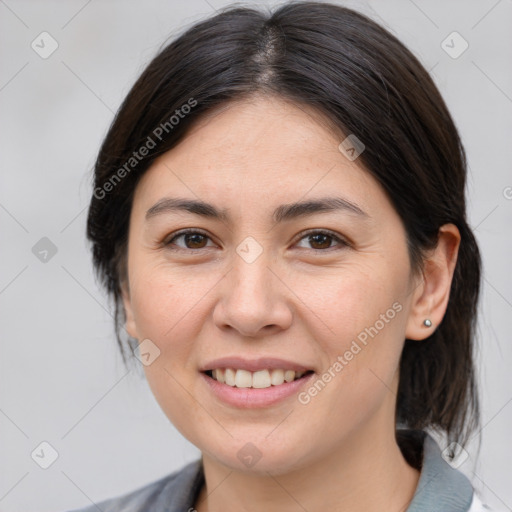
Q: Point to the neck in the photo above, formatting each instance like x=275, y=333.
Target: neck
x=367, y=472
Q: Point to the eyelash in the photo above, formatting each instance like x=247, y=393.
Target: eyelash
x=342, y=242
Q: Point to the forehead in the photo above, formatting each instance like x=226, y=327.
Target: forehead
x=259, y=151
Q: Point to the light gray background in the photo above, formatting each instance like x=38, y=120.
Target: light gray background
x=62, y=379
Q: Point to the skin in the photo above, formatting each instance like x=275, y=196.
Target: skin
x=303, y=300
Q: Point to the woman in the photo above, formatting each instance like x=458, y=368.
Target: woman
x=279, y=216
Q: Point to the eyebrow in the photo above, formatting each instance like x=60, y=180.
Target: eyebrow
x=282, y=213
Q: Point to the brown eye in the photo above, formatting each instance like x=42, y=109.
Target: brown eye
x=195, y=239
x=322, y=240
x=192, y=239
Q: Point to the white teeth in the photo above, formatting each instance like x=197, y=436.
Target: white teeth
x=260, y=379
x=218, y=374
x=289, y=375
x=243, y=379
x=229, y=376
x=277, y=377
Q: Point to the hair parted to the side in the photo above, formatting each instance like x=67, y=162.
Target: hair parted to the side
x=361, y=79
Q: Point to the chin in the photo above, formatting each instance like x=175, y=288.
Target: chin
x=259, y=458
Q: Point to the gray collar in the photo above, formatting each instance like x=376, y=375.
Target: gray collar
x=440, y=487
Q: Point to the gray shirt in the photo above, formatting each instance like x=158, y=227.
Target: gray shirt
x=440, y=488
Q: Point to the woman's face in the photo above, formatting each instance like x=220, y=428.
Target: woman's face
x=262, y=285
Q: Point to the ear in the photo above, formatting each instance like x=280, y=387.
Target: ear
x=130, y=325
x=430, y=297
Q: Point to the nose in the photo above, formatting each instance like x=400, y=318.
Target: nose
x=253, y=299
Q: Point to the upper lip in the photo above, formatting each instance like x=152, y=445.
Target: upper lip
x=254, y=365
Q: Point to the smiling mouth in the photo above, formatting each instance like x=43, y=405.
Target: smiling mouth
x=257, y=380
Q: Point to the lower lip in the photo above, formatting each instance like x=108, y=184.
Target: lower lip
x=249, y=398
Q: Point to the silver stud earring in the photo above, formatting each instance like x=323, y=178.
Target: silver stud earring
x=427, y=322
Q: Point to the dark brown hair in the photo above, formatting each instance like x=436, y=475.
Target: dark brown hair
x=363, y=81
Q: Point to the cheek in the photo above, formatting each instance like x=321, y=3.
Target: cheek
x=366, y=314
x=363, y=315
x=163, y=300
x=169, y=309
x=354, y=301
x=164, y=305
